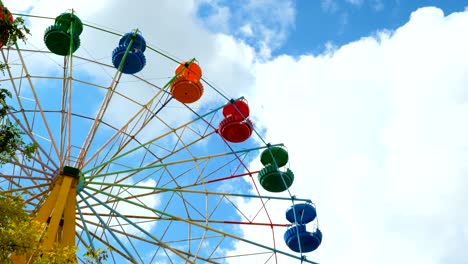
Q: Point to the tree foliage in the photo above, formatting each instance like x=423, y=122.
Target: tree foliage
x=16, y=228
x=95, y=256
x=10, y=135
x=11, y=31
x=11, y=138
x=15, y=31
x=20, y=235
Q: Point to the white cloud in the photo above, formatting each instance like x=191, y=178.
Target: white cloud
x=246, y=30
x=377, y=139
x=21, y=6
x=269, y=21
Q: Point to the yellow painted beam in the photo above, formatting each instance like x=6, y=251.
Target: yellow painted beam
x=58, y=213
x=46, y=209
x=53, y=226
x=18, y=259
x=69, y=217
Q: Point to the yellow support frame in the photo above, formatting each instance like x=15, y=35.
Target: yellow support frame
x=58, y=213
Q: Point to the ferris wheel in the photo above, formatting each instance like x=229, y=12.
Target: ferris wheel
x=155, y=170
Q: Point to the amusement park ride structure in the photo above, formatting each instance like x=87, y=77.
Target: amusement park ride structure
x=80, y=197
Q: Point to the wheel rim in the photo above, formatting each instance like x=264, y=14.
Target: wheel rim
x=148, y=180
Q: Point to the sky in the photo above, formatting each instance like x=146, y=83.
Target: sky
x=368, y=96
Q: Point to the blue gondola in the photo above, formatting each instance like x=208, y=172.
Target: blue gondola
x=135, y=60
x=310, y=241
x=304, y=212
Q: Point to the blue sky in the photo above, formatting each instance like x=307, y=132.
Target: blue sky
x=373, y=122
x=341, y=22
x=317, y=23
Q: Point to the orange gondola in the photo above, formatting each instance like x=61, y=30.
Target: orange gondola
x=186, y=86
